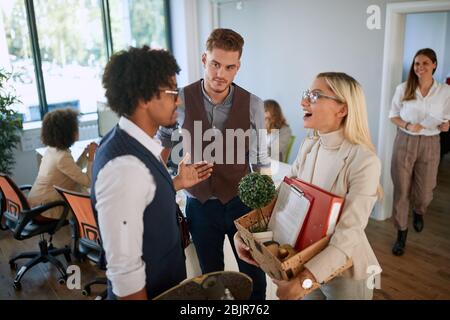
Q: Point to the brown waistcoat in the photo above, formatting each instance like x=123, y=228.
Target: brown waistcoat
x=223, y=183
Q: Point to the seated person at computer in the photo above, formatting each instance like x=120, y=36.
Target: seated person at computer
x=59, y=132
x=275, y=120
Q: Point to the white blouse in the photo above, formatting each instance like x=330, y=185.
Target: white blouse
x=436, y=103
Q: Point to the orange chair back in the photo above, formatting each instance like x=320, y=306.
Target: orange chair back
x=14, y=200
x=82, y=209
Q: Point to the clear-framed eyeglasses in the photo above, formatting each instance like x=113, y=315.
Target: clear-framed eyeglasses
x=313, y=96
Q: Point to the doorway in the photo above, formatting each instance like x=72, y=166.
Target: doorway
x=392, y=76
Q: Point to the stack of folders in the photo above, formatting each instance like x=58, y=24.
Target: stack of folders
x=303, y=213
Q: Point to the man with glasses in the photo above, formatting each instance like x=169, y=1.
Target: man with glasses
x=133, y=195
x=216, y=104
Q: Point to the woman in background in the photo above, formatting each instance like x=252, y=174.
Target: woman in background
x=275, y=120
x=339, y=158
x=59, y=133
x=417, y=106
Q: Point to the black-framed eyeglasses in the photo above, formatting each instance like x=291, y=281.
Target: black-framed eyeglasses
x=313, y=96
x=174, y=92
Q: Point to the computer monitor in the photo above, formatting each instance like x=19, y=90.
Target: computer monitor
x=107, y=118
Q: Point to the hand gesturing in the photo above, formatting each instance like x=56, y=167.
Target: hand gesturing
x=191, y=174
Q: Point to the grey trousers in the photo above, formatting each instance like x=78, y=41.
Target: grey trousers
x=341, y=288
x=414, y=167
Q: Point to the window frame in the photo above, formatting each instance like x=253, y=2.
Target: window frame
x=108, y=42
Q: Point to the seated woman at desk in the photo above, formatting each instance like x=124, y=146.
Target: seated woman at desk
x=275, y=120
x=59, y=132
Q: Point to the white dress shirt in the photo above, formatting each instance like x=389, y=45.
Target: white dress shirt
x=124, y=188
x=436, y=103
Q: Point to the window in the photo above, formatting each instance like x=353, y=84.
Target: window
x=72, y=51
x=72, y=43
x=16, y=56
x=138, y=22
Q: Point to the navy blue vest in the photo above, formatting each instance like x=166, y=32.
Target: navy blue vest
x=162, y=250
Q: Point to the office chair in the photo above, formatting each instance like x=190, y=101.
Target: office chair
x=289, y=148
x=87, y=236
x=17, y=216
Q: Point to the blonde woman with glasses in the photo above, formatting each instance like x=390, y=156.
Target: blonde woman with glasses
x=339, y=158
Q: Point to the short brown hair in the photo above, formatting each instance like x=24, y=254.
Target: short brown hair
x=225, y=39
x=59, y=128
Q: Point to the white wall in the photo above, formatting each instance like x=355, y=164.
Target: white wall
x=446, y=57
x=289, y=41
x=185, y=39
x=205, y=13
x=426, y=30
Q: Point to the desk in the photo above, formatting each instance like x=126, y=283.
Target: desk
x=76, y=149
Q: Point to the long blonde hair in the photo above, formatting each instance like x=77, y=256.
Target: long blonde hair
x=355, y=124
x=348, y=90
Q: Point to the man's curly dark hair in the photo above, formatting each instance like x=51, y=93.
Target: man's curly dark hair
x=137, y=74
x=59, y=128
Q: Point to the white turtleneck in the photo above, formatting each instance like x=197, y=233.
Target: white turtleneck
x=329, y=144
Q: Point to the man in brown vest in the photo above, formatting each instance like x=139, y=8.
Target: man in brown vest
x=214, y=110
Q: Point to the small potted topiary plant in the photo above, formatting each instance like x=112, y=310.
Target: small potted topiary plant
x=256, y=191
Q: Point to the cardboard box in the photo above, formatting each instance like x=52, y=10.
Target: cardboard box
x=270, y=263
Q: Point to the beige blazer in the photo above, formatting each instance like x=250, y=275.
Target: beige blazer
x=353, y=174
x=58, y=168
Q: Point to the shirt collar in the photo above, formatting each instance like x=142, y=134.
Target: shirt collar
x=227, y=99
x=154, y=145
x=430, y=92
x=434, y=86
